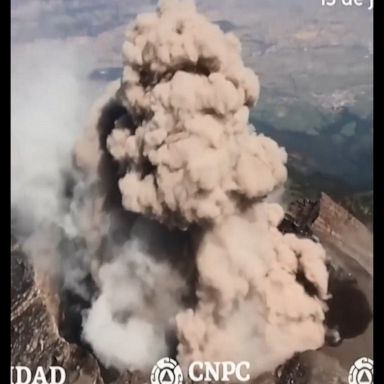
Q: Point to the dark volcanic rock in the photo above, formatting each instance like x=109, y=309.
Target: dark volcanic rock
x=35, y=339
x=311, y=367
x=300, y=217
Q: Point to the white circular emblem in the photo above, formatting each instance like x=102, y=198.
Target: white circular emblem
x=361, y=372
x=166, y=371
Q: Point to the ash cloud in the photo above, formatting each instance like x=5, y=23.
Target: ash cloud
x=174, y=141
x=171, y=207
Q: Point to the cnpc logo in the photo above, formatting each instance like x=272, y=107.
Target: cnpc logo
x=24, y=375
x=219, y=371
x=168, y=371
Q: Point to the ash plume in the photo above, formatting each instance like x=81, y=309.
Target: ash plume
x=251, y=306
x=161, y=221
x=172, y=143
x=186, y=83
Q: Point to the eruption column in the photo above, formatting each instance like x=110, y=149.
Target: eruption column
x=187, y=157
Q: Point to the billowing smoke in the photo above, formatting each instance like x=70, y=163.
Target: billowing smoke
x=251, y=306
x=43, y=74
x=48, y=101
x=167, y=227
x=185, y=80
x=128, y=322
x=172, y=143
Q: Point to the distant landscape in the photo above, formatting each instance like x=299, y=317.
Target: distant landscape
x=337, y=159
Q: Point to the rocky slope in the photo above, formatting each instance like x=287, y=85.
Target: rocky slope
x=350, y=244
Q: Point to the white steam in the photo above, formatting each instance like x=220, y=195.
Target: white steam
x=128, y=322
x=47, y=112
x=49, y=97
